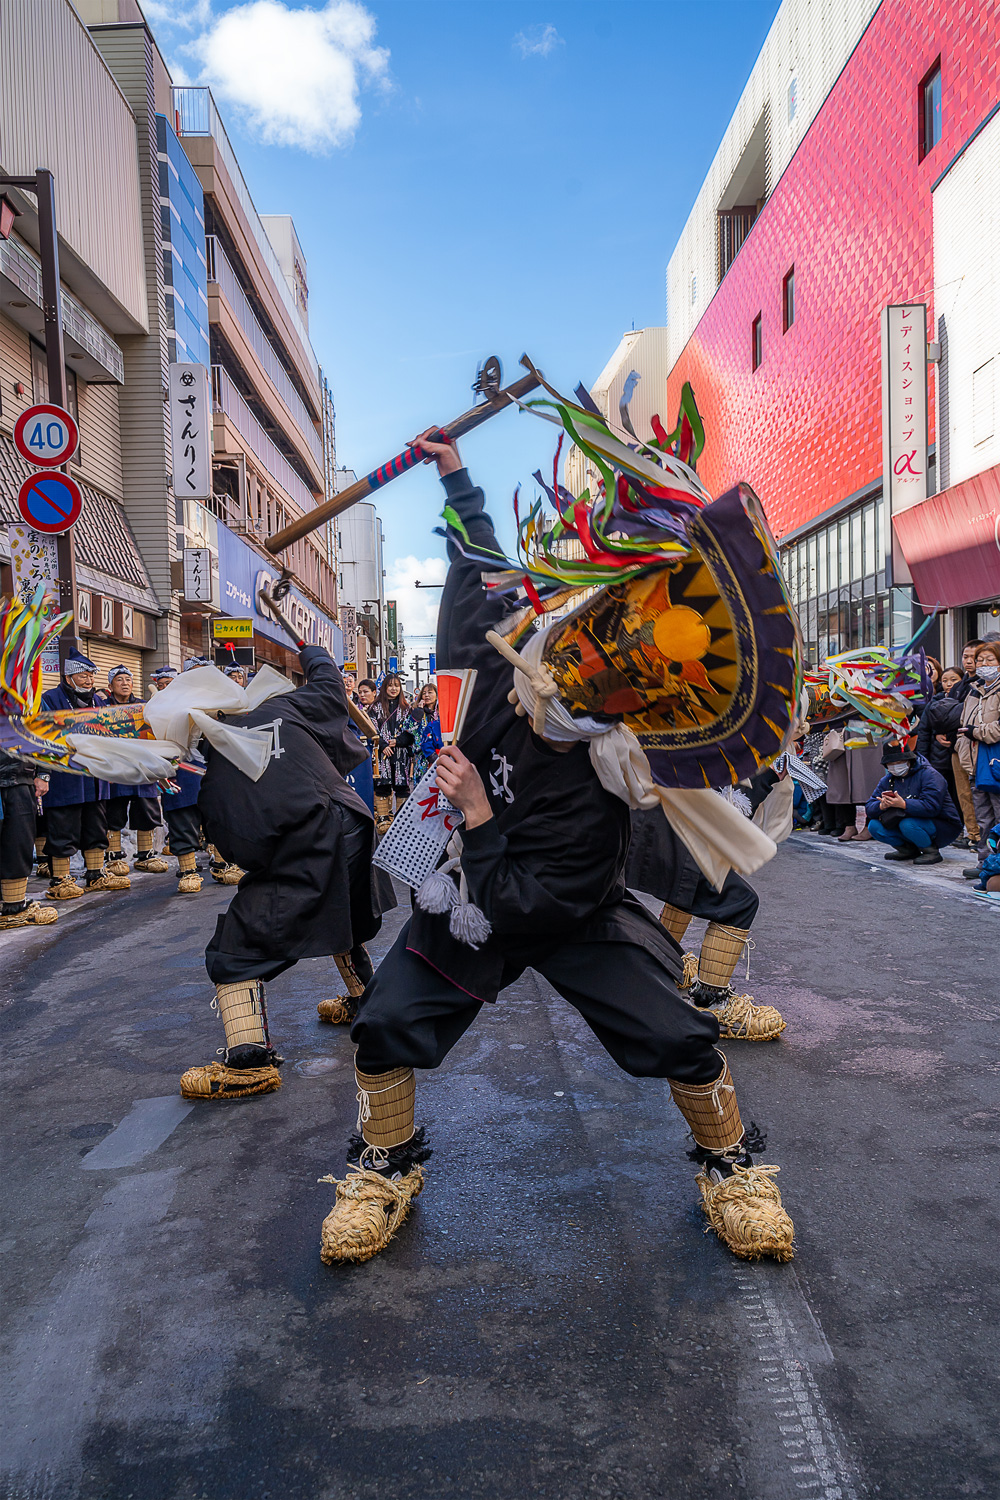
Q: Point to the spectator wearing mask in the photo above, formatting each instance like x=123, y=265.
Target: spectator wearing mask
x=76, y=815
x=136, y=807
x=911, y=809
x=979, y=744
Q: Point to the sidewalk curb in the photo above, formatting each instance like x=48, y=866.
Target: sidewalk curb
x=934, y=877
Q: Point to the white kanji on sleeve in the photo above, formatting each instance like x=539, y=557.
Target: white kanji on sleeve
x=499, y=777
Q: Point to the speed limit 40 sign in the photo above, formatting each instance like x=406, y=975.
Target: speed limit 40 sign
x=46, y=436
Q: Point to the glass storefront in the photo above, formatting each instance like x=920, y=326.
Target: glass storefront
x=836, y=579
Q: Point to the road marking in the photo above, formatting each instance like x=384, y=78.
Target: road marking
x=143, y=1129
x=788, y=1344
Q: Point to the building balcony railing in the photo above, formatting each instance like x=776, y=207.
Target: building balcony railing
x=229, y=400
x=19, y=266
x=734, y=226
x=195, y=114
x=220, y=270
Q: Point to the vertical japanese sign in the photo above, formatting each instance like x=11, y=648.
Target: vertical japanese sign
x=34, y=560
x=904, y=418
x=191, y=431
x=390, y=621
x=198, y=574
x=349, y=625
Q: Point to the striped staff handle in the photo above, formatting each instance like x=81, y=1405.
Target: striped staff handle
x=409, y=457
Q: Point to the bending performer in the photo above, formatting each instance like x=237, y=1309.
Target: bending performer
x=544, y=848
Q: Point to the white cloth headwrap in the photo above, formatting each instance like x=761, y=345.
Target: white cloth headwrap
x=717, y=836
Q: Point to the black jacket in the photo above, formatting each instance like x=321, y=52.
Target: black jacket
x=14, y=772
x=298, y=898
x=549, y=865
x=942, y=715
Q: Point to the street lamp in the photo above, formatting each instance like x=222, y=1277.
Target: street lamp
x=42, y=185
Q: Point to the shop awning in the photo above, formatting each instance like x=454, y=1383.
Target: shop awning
x=951, y=542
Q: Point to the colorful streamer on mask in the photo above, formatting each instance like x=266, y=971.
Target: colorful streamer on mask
x=887, y=689
x=636, y=521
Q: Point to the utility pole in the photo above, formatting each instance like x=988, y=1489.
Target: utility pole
x=42, y=184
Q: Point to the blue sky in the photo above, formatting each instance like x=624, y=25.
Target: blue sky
x=468, y=179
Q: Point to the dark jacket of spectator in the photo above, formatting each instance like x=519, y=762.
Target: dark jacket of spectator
x=942, y=715
x=925, y=792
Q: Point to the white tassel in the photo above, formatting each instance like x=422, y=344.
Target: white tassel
x=437, y=894
x=469, y=925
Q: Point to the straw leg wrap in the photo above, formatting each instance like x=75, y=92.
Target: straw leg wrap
x=355, y=969
x=14, y=891
x=385, y=1106
x=144, y=840
x=720, y=953
x=249, y=1065
x=675, y=921
x=114, y=840
x=711, y=1111
x=244, y=1014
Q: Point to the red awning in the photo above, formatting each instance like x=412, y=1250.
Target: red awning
x=951, y=542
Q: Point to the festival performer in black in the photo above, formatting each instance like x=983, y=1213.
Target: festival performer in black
x=543, y=853
x=304, y=838
x=20, y=788
x=660, y=865
x=136, y=807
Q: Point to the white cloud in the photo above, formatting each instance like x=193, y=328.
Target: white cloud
x=538, y=41
x=183, y=13
x=293, y=72
x=417, y=608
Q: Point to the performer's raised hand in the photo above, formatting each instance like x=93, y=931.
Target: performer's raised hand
x=462, y=784
x=444, y=454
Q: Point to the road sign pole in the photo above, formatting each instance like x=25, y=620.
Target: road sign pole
x=55, y=358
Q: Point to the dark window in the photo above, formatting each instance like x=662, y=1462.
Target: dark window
x=930, y=110
x=734, y=224
x=788, y=301
x=757, y=343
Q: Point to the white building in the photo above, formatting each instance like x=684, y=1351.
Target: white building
x=360, y=545
x=805, y=50
x=643, y=353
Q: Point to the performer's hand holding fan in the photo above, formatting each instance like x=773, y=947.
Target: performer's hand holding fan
x=425, y=822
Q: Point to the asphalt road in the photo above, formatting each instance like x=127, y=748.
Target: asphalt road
x=552, y=1321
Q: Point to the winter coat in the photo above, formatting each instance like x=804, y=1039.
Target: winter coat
x=942, y=715
x=851, y=776
x=926, y=794
x=981, y=714
x=548, y=867
x=65, y=788
x=118, y=788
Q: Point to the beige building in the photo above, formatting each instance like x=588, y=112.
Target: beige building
x=165, y=261
x=89, y=144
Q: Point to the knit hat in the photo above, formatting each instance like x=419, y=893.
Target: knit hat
x=120, y=671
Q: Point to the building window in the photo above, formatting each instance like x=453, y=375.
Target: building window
x=757, y=343
x=694, y=290
x=793, y=99
x=788, y=300
x=930, y=110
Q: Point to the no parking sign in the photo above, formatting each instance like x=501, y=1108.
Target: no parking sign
x=50, y=503
x=46, y=435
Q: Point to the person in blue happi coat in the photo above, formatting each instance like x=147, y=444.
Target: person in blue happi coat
x=76, y=813
x=136, y=807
